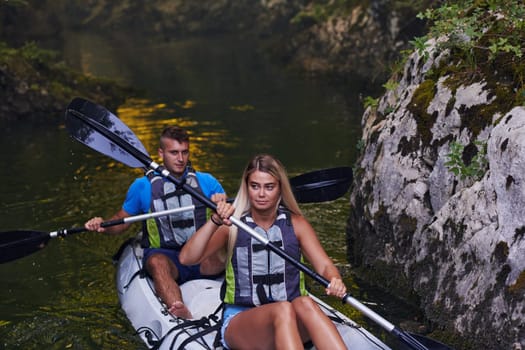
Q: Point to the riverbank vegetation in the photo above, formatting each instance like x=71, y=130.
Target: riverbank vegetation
x=36, y=85
x=486, y=40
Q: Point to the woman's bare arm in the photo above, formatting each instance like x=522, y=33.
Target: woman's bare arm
x=316, y=255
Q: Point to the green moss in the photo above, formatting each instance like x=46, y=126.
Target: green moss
x=519, y=286
x=478, y=117
x=502, y=96
x=452, y=339
x=406, y=226
x=502, y=75
x=418, y=106
x=389, y=278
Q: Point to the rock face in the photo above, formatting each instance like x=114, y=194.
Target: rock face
x=457, y=242
x=361, y=40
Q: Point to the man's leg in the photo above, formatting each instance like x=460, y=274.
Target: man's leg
x=164, y=274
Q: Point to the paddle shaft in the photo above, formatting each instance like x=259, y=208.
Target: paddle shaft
x=317, y=186
x=126, y=220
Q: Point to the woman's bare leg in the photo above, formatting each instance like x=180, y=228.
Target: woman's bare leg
x=314, y=325
x=270, y=326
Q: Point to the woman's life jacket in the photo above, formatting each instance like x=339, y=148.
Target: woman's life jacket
x=256, y=275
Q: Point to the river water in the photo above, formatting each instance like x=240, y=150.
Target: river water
x=235, y=103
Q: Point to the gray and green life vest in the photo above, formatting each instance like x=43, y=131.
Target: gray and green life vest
x=172, y=231
x=255, y=275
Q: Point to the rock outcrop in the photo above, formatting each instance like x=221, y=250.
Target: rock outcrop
x=35, y=87
x=457, y=241
x=363, y=39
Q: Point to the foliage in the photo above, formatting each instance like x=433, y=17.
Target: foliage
x=486, y=43
x=420, y=44
x=476, y=167
x=390, y=85
x=31, y=52
x=37, y=84
x=369, y=101
x=494, y=27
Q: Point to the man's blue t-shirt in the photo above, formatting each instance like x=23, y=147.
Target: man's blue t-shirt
x=138, y=198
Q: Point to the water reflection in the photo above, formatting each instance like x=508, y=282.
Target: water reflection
x=230, y=84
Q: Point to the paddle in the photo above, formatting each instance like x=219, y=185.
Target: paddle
x=17, y=244
x=316, y=186
x=321, y=185
x=100, y=130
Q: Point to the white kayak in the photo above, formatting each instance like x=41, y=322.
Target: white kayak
x=160, y=330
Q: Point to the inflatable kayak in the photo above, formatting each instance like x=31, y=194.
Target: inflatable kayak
x=160, y=330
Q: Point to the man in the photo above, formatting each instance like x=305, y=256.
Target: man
x=163, y=237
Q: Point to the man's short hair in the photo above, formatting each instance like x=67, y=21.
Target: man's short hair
x=175, y=133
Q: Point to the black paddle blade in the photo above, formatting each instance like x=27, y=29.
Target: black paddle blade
x=17, y=244
x=430, y=343
x=87, y=122
x=321, y=185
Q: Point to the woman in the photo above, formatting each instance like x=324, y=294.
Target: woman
x=266, y=304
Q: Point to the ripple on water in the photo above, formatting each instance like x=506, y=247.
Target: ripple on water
x=81, y=327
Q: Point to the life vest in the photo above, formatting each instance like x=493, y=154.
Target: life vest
x=172, y=231
x=255, y=275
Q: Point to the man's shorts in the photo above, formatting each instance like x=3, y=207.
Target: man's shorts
x=186, y=273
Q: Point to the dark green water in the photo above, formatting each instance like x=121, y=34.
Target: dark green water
x=234, y=102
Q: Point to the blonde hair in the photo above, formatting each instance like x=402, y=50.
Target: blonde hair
x=267, y=164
